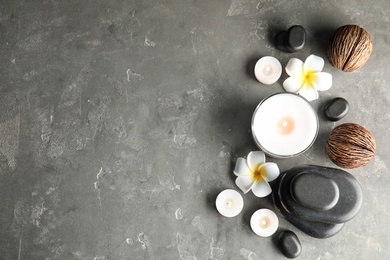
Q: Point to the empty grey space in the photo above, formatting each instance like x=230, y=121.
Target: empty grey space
x=121, y=121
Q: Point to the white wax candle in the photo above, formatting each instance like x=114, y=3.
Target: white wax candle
x=229, y=203
x=264, y=222
x=268, y=70
x=284, y=125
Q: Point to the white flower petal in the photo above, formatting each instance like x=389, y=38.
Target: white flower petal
x=241, y=168
x=244, y=183
x=309, y=92
x=255, y=159
x=293, y=84
x=294, y=67
x=322, y=81
x=271, y=171
x=261, y=189
x=313, y=63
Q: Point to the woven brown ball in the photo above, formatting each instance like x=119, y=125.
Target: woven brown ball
x=349, y=48
x=350, y=146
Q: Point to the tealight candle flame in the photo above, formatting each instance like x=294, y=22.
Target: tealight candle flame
x=285, y=125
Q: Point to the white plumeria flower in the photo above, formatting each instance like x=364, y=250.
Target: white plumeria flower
x=254, y=173
x=306, y=78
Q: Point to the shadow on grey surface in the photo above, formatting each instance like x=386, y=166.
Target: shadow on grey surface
x=250, y=66
x=273, y=30
x=322, y=37
x=212, y=197
x=323, y=133
x=275, y=239
x=232, y=125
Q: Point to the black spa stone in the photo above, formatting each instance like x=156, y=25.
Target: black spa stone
x=296, y=37
x=280, y=41
x=299, y=188
x=315, y=229
x=291, y=40
x=289, y=244
x=311, y=228
x=348, y=204
x=336, y=109
x=315, y=191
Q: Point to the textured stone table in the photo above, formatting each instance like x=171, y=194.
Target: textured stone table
x=121, y=121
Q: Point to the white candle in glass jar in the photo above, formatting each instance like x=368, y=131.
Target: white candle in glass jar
x=268, y=70
x=229, y=203
x=284, y=125
x=264, y=222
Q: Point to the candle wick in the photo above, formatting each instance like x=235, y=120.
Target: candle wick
x=285, y=125
x=264, y=222
x=267, y=70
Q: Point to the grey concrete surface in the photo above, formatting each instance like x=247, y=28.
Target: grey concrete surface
x=121, y=122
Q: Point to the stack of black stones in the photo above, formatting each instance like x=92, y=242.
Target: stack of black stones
x=318, y=200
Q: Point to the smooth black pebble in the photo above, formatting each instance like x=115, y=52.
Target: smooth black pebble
x=292, y=40
x=280, y=41
x=315, y=191
x=336, y=109
x=289, y=244
x=296, y=37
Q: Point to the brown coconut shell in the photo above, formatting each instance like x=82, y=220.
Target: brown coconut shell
x=350, y=146
x=349, y=48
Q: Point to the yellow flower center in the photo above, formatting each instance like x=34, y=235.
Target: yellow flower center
x=258, y=174
x=308, y=78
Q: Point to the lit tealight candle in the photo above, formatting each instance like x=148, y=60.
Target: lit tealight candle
x=229, y=203
x=264, y=222
x=284, y=125
x=268, y=70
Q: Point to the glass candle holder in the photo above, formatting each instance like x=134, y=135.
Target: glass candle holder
x=284, y=125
